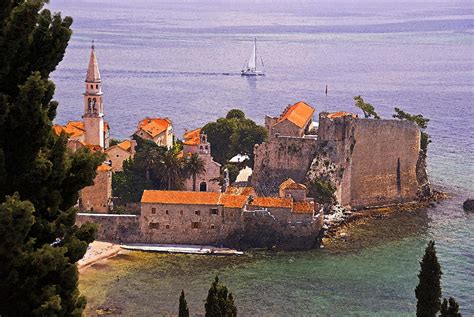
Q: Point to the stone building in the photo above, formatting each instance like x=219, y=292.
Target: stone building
x=119, y=153
x=296, y=120
x=370, y=162
x=221, y=218
x=196, y=143
x=98, y=197
x=158, y=130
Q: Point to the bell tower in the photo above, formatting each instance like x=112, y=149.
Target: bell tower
x=93, y=104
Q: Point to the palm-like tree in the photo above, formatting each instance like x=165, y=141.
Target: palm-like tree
x=171, y=169
x=194, y=166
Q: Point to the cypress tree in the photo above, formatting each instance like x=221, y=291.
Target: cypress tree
x=219, y=302
x=183, y=306
x=39, y=178
x=428, y=291
x=449, y=308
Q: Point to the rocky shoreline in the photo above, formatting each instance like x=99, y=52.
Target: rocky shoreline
x=337, y=221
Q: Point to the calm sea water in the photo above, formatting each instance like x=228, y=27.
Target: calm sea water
x=181, y=59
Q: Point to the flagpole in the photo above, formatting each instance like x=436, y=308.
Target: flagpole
x=326, y=105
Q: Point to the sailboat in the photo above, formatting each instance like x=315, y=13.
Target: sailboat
x=251, y=68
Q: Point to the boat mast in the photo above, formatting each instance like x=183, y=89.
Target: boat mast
x=255, y=47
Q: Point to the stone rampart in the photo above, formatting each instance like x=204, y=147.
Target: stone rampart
x=113, y=227
x=280, y=158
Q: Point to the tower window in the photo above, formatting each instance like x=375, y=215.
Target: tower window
x=96, y=86
x=92, y=86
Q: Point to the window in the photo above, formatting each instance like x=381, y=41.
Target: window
x=92, y=86
x=197, y=212
x=203, y=187
x=167, y=226
x=167, y=212
x=214, y=211
x=195, y=225
x=153, y=210
x=154, y=225
x=181, y=212
x=212, y=226
x=96, y=86
x=118, y=155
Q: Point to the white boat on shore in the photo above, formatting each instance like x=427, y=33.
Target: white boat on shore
x=251, y=68
x=178, y=248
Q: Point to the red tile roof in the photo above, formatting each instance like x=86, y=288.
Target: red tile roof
x=192, y=137
x=275, y=202
x=180, y=197
x=154, y=126
x=299, y=113
x=304, y=207
x=338, y=114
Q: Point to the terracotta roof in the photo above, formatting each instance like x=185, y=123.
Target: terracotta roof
x=233, y=201
x=338, y=114
x=125, y=145
x=232, y=190
x=104, y=168
x=93, y=73
x=299, y=113
x=73, y=129
x=192, y=137
x=180, y=197
x=287, y=183
x=154, y=126
x=272, y=202
x=304, y=207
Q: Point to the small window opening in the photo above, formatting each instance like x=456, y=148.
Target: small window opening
x=197, y=212
x=153, y=210
x=195, y=225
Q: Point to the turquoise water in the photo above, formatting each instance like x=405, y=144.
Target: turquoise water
x=169, y=58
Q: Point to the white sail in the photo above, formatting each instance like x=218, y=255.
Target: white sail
x=251, y=64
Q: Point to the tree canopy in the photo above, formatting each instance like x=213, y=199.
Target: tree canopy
x=367, y=108
x=232, y=135
x=219, y=302
x=420, y=121
x=39, y=177
x=428, y=291
x=154, y=167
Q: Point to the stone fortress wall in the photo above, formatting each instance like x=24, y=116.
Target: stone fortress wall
x=372, y=162
x=377, y=159
x=280, y=158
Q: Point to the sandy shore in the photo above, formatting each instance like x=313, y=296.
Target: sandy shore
x=98, y=251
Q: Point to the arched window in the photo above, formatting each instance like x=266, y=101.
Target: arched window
x=203, y=187
x=89, y=106
x=94, y=106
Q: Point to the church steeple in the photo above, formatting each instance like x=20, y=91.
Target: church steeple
x=93, y=105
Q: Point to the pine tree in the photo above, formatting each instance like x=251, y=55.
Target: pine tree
x=428, y=291
x=39, y=178
x=449, y=308
x=183, y=306
x=219, y=302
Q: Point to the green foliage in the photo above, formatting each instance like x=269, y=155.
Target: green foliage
x=428, y=291
x=233, y=135
x=449, y=308
x=153, y=167
x=113, y=142
x=322, y=191
x=420, y=121
x=130, y=183
x=219, y=302
x=39, y=178
x=367, y=108
x=235, y=114
x=183, y=306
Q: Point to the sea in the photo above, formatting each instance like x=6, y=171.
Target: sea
x=181, y=59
